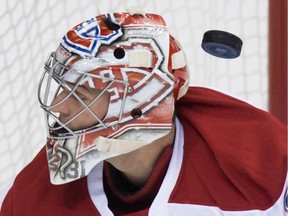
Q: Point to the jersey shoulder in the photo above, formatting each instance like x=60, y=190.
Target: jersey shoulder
x=230, y=151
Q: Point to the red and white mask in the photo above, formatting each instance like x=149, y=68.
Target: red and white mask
x=124, y=73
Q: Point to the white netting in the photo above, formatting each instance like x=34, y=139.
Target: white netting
x=30, y=29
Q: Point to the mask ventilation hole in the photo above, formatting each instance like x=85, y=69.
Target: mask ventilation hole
x=136, y=113
x=119, y=53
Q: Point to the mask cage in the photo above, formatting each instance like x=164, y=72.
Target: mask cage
x=54, y=81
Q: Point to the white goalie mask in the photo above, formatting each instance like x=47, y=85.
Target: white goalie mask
x=117, y=74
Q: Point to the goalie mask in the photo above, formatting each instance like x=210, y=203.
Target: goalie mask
x=109, y=88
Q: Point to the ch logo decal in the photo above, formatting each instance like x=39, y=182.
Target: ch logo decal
x=86, y=38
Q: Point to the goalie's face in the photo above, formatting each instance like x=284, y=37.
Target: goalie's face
x=75, y=102
x=83, y=109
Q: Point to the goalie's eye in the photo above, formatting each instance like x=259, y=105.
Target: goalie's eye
x=119, y=53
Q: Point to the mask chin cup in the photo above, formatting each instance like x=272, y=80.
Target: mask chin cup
x=129, y=141
x=117, y=146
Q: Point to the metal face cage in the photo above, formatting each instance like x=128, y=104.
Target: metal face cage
x=57, y=78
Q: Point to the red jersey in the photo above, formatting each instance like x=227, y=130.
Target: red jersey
x=228, y=158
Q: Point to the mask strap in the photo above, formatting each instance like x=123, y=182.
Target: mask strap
x=104, y=144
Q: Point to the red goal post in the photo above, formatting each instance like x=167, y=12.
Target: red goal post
x=278, y=59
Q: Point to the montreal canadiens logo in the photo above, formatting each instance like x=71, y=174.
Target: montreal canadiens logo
x=85, y=38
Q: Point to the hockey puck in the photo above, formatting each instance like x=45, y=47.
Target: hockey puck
x=222, y=44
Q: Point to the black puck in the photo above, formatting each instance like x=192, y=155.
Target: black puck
x=222, y=44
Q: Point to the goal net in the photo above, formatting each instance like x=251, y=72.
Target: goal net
x=33, y=28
